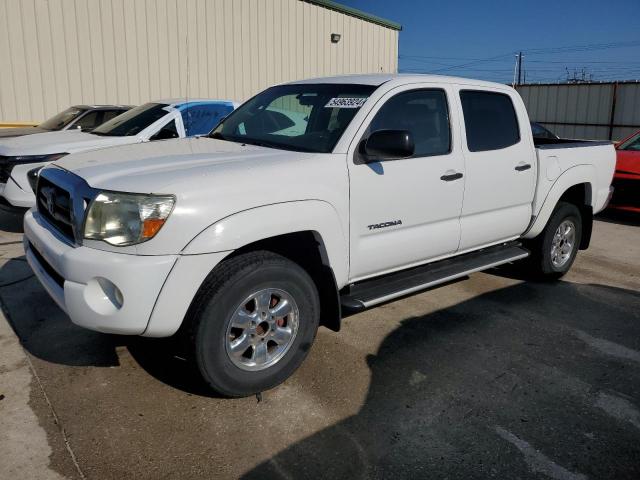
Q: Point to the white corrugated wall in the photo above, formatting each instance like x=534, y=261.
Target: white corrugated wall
x=56, y=53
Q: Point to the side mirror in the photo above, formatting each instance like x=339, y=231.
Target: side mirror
x=388, y=145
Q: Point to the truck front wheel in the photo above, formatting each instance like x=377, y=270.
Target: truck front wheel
x=253, y=324
x=555, y=249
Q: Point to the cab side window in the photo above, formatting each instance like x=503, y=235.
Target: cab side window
x=424, y=113
x=489, y=119
x=89, y=121
x=168, y=131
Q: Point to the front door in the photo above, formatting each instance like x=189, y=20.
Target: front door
x=405, y=212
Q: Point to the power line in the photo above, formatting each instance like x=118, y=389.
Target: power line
x=620, y=68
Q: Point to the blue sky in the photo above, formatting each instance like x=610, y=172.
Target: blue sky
x=458, y=37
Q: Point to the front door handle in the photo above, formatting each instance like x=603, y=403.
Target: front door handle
x=451, y=177
x=523, y=166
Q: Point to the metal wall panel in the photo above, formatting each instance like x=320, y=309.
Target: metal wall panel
x=55, y=53
x=585, y=110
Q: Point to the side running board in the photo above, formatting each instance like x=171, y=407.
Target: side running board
x=378, y=290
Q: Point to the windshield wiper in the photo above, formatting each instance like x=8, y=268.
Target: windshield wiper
x=218, y=136
x=247, y=141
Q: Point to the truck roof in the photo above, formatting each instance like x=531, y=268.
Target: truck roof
x=378, y=79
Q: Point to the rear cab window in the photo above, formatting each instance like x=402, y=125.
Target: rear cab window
x=490, y=120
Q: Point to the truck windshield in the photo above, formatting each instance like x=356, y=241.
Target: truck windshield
x=133, y=121
x=632, y=144
x=304, y=117
x=62, y=119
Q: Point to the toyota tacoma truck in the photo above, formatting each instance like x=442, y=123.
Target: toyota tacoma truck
x=311, y=200
x=22, y=158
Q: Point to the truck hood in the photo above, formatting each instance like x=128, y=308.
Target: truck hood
x=169, y=166
x=211, y=179
x=58, y=142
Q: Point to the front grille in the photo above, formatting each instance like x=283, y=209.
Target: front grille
x=54, y=204
x=5, y=169
x=626, y=192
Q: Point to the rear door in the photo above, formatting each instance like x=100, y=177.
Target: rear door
x=406, y=212
x=500, y=167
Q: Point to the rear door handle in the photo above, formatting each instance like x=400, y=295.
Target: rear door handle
x=450, y=177
x=523, y=166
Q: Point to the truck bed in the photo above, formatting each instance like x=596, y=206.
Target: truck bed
x=545, y=143
x=557, y=156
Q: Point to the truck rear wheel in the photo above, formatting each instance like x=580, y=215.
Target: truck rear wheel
x=253, y=324
x=554, y=250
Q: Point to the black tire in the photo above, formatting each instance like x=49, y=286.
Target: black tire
x=223, y=292
x=540, y=263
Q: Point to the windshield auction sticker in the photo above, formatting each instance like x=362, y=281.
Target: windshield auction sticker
x=345, y=102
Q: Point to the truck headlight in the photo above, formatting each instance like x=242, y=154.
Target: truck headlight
x=122, y=219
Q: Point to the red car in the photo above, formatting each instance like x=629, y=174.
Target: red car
x=626, y=180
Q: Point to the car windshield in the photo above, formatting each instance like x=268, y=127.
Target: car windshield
x=304, y=117
x=632, y=144
x=133, y=121
x=62, y=119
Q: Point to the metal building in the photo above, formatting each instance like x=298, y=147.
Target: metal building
x=596, y=111
x=55, y=53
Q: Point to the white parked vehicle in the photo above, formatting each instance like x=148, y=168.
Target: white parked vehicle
x=245, y=241
x=78, y=117
x=22, y=157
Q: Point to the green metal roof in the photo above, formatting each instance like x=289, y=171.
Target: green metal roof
x=354, y=12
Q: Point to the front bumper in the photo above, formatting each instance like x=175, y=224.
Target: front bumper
x=104, y=291
x=16, y=196
x=17, y=190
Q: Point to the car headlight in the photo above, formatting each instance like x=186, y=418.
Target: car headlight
x=32, y=177
x=122, y=219
x=49, y=157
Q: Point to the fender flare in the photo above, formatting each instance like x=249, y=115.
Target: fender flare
x=238, y=230
x=573, y=176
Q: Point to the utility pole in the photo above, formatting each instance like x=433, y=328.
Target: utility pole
x=520, y=68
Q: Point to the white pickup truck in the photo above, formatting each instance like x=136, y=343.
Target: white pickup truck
x=311, y=199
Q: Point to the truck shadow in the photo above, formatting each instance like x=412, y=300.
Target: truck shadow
x=514, y=357
x=11, y=220
x=470, y=391
x=619, y=217
x=46, y=332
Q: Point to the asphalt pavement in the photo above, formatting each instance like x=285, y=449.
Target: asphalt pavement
x=492, y=377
